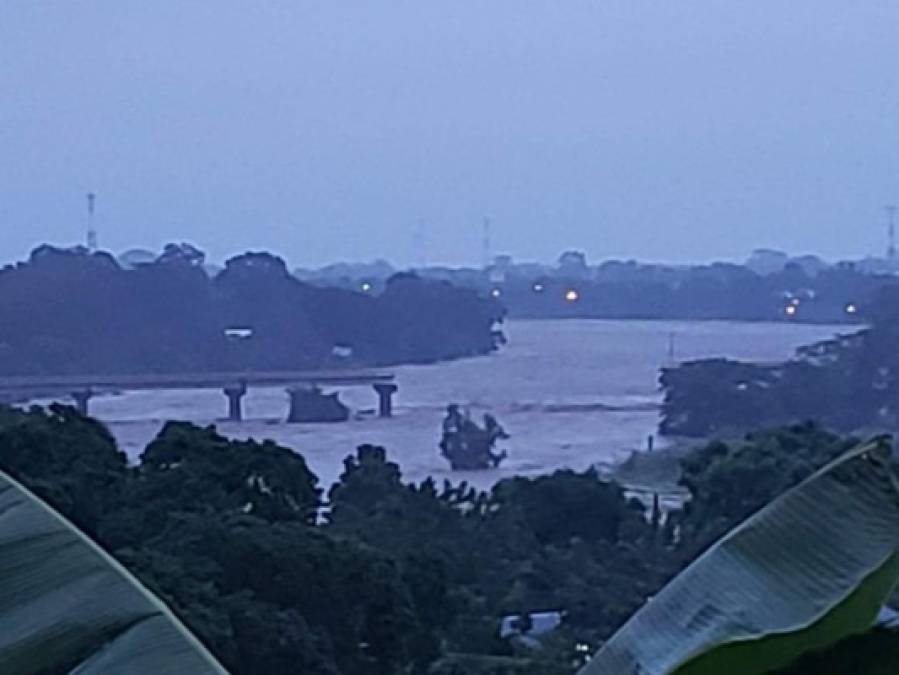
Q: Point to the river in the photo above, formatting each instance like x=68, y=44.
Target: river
x=555, y=387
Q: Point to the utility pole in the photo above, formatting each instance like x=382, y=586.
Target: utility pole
x=91, y=230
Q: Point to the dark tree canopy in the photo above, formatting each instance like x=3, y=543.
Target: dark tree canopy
x=385, y=577
x=848, y=383
x=729, y=481
x=628, y=289
x=73, y=312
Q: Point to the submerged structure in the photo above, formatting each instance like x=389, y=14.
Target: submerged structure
x=468, y=446
x=310, y=404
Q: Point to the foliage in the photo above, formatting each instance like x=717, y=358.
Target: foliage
x=66, y=606
x=189, y=470
x=468, y=664
x=873, y=653
x=809, y=569
x=468, y=446
x=848, y=383
x=618, y=289
x=729, y=481
x=69, y=461
x=170, y=316
x=568, y=540
x=386, y=577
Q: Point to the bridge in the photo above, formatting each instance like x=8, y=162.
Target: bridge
x=81, y=388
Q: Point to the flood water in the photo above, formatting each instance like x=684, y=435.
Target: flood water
x=570, y=392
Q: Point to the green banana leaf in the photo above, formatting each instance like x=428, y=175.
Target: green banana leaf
x=808, y=570
x=68, y=607
x=873, y=653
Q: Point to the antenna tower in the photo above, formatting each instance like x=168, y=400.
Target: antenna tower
x=91, y=230
x=485, y=244
x=891, y=233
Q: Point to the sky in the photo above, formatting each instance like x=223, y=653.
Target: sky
x=349, y=130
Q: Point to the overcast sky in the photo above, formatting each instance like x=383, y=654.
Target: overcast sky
x=329, y=130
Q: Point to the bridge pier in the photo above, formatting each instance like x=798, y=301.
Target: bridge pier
x=81, y=398
x=385, y=398
x=235, y=394
x=79, y=390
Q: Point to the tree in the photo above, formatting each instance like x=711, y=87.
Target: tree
x=573, y=264
x=170, y=316
x=188, y=469
x=68, y=460
x=727, y=482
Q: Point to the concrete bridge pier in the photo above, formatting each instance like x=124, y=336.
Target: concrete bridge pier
x=235, y=394
x=385, y=393
x=81, y=398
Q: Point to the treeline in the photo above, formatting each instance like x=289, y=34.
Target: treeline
x=73, y=312
x=717, y=291
x=801, y=290
x=850, y=382
x=382, y=576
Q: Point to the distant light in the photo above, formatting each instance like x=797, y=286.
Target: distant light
x=851, y=308
x=496, y=292
x=790, y=310
x=538, y=288
x=795, y=302
x=572, y=295
x=366, y=287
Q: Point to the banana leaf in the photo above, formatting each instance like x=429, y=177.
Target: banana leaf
x=873, y=653
x=66, y=607
x=810, y=569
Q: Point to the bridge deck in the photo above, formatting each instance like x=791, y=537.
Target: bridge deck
x=71, y=383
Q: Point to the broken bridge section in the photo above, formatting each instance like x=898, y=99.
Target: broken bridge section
x=82, y=388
